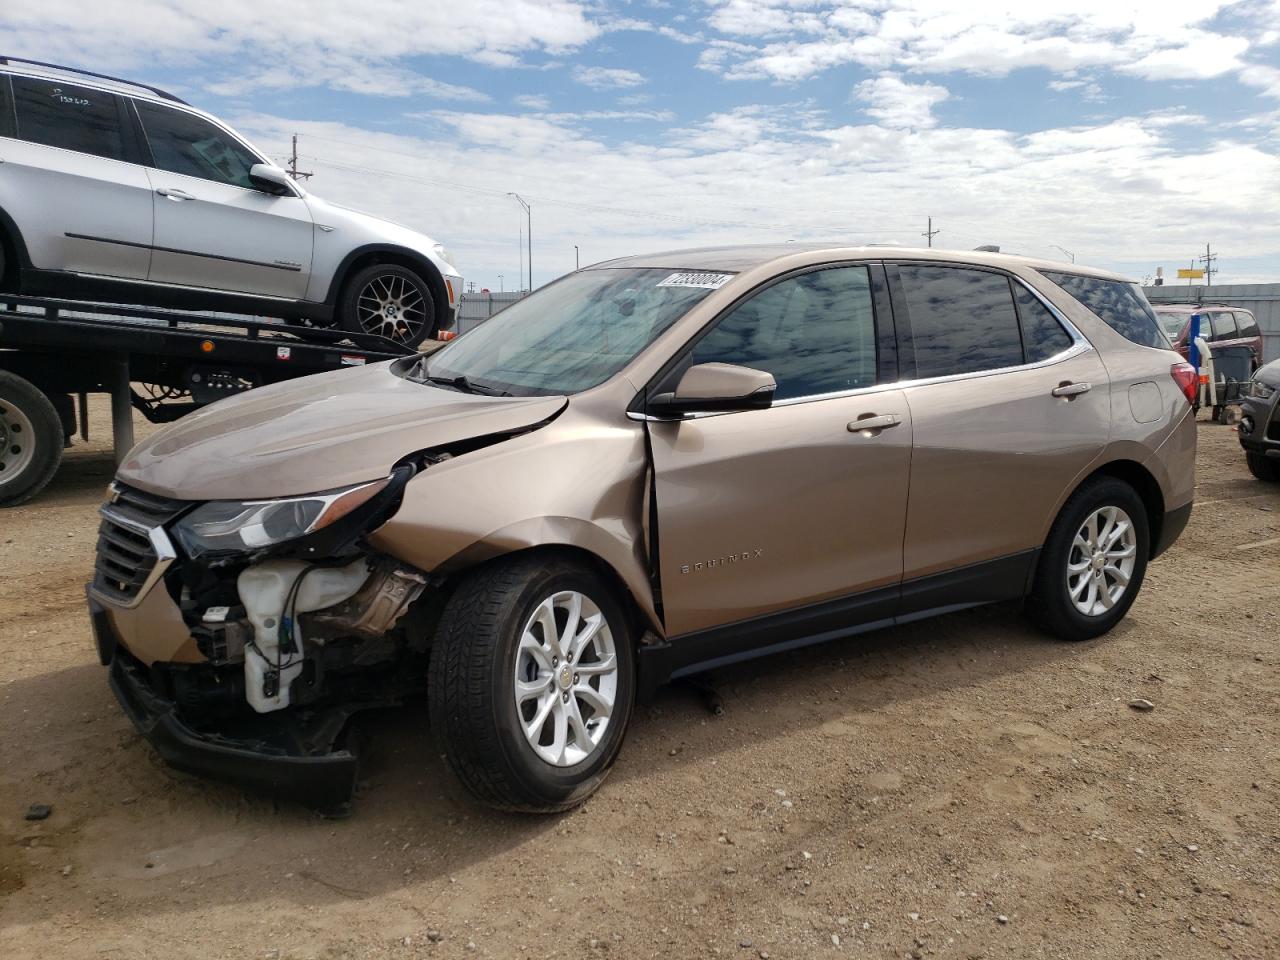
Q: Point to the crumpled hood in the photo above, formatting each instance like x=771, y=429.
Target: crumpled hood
x=316, y=433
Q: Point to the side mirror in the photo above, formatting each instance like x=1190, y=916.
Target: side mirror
x=271, y=180
x=709, y=387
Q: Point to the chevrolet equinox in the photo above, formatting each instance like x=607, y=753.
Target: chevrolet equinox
x=646, y=469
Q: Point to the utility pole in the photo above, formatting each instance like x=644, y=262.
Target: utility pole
x=293, y=163
x=930, y=233
x=1208, y=260
x=576, y=264
x=528, y=234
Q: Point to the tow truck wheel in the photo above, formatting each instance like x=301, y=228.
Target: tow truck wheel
x=1262, y=466
x=390, y=301
x=531, y=682
x=30, y=440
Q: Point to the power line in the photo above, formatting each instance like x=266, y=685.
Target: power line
x=1209, y=259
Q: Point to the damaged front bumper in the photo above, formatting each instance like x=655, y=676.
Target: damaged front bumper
x=279, y=759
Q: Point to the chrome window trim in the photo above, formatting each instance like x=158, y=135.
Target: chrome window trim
x=1079, y=346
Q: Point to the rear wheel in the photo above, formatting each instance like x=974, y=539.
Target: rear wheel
x=1262, y=466
x=1093, y=562
x=31, y=440
x=531, y=683
x=390, y=301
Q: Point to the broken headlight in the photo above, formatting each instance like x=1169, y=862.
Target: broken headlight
x=234, y=526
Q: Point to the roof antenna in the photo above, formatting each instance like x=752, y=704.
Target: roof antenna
x=988, y=248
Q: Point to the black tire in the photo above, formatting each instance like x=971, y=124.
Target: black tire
x=415, y=317
x=31, y=432
x=474, y=719
x=1262, y=466
x=1049, y=604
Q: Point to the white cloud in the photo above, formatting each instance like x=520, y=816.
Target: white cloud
x=606, y=78
x=789, y=40
x=288, y=43
x=896, y=103
x=532, y=101
x=1124, y=191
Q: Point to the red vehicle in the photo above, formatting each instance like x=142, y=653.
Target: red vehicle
x=1220, y=326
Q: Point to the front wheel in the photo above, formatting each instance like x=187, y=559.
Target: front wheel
x=390, y=301
x=1262, y=466
x=1093, y=562
x=531, y=682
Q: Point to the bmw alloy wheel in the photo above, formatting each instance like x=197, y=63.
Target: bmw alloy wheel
x=392, y=306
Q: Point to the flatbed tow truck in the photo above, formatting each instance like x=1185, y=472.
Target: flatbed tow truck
x=163, y=363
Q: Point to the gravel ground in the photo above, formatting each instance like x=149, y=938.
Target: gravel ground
x=961, y=787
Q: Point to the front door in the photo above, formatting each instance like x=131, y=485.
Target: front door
x=68, y=180
x=762, y=511
x=212, y=227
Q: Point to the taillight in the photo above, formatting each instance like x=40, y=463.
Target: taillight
x=1184, y=375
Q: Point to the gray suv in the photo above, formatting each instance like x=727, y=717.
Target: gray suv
x=116, y=191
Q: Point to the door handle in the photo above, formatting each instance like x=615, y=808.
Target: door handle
x=1070, y=390
x=174, y=194
x=870, y=425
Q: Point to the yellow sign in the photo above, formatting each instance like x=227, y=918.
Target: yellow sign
x=1192, y=274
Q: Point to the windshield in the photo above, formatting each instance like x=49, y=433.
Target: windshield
x=568, y=336
x=1172, y=323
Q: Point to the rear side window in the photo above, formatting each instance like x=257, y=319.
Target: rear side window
x=1223, y=325
x=815, y=333
x=1121, y=306
x=1247, y=324
x=64, y=115
x=1042, y=334
x=184, y=143
x=1172, y=323
x=962, y=321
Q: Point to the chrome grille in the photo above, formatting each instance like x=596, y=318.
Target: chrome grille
x=133, y=548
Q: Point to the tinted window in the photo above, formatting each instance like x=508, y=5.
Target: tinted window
x=815, y=333
x=1121, y=306
x=1042, y=334
x=961, y=320
x=1247, y=324
x=7, y=124
x=1172, y=323
x=63, y=115
x=1223, y=325
x=187, y=144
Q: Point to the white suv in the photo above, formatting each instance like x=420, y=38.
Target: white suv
x=117, y=191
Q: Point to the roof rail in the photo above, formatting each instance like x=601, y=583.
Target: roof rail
x=89, y=73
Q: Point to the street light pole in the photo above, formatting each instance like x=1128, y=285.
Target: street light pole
x=576, y=264
x=528, y=233
x=500, y=290
x=1064, y=250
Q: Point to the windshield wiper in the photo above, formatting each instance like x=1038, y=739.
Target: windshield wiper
x=463, y=385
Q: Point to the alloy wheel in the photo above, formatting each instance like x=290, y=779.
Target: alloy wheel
x=566, y=678
x=1101, y=562
x=392, y=306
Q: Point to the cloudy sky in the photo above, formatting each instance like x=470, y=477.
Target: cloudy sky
x=1130, y=132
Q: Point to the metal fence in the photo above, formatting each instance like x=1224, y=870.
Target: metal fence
x=1260, y=299
x=475, y=308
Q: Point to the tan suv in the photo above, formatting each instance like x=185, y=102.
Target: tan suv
x=648, y=468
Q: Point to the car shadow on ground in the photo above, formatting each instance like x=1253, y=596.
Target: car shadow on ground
x=126, y=819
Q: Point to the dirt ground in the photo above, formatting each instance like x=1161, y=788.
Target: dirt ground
x=961, y=787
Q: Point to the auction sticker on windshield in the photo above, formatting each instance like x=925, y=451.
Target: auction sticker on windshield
x=703, y=281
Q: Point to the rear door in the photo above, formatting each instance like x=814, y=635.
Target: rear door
x=213, y=228
x=761, y=511
x=68, y=180
x=1007, y=407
